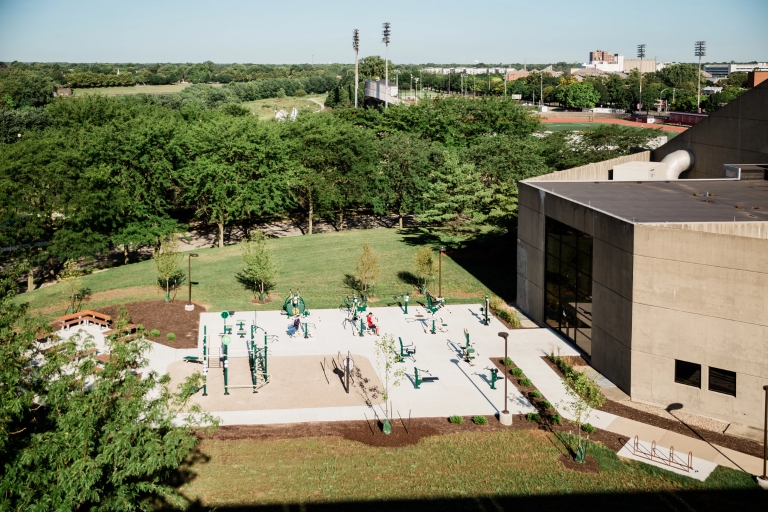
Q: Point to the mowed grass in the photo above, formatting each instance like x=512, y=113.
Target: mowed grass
x=265, y=109
x=136, y=89
x=314, y=264
x=511, y=463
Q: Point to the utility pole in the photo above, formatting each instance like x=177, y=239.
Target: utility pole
x=641, y=56
x=387, y=33
x=541, y=88
x=356, y=47
x=701, y=51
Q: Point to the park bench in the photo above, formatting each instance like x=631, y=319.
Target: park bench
x=86, y=316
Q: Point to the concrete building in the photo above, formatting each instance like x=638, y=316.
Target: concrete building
x=719, y=71
x=648, y=65
x=604, y=61
x=661, y=279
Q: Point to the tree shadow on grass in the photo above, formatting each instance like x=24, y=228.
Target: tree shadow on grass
x=408, y=278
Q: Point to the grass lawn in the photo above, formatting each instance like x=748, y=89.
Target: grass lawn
x=315, y=264
x=266, y=109
x=137, y=89
x=462, y=468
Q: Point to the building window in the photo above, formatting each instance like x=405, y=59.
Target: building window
x=568, y=275
x=688, y=373
x=722, y=381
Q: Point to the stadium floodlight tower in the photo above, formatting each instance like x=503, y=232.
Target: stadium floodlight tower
x=356, y=47
x=701, y=51
x=641, y=56
x=387, y=33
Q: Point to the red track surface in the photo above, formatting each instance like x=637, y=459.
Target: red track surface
x=666, y=128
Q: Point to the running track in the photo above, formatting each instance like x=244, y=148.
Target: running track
x=678, y=129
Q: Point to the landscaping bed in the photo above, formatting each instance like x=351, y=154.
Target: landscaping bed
x=611, y=406
x=165, y=317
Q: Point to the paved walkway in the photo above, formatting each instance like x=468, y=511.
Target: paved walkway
x=666, y=128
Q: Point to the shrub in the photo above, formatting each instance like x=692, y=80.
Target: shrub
x=534, y=394
x=533, y=417
x=508, y=362
x=480, y=420
x=503, y=312
x=140, y=327
x=545, y=404
x=300, y=93
x=517, y=372
x=456, y=420
x=525, y=382
x=170, y=336
x=556, y=419
x=589, y=429
x=154, y=333
x=588, y=388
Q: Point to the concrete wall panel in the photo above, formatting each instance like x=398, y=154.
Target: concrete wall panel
x=612, y=358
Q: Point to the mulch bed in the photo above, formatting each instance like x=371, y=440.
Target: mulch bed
x=734, y=443
x=165, y=317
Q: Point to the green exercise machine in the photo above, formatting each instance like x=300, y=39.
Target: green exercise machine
x=406, y=297
x=356, y=306
x=468, y=352
x=433, y=305
x=486, y=312
x=494, y=376
x=406, y=352
x=294, y=305
x=417, y=381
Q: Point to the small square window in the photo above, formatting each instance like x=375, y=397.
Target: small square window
x=688, y=373
x=722, y=381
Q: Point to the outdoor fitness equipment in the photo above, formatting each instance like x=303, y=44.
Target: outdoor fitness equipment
x=355, y=306
x=294, y=305
x=494, y=376
x=486, y=312
x=468, y=352
x=433, y=305
x=409, y=351
x=417, y=381
x=406, y=297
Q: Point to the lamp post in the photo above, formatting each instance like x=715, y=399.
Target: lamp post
x=701, y=51
x=386, y=33
x=641, y=56
x=356, y=47
x=440, y=272
x=189, y=279
x=505, y=418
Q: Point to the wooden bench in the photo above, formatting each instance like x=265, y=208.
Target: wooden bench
x=84, y=316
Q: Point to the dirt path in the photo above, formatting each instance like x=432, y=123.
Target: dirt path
x=322, y=107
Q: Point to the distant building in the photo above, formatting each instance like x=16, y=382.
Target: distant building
x=516, y=74
x=605, y=61
x=380, y=91
x=707, y=91
x=648, y=65
x=719, y=71
x=662, y=65
x=755, y=78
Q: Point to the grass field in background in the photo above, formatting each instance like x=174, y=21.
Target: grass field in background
x=136, y=89
x=314, y=264
x=265, y=109
x=465, y=465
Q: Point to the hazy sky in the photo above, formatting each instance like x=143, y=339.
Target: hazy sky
x=292, y=31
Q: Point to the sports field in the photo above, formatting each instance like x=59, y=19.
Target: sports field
x=136, y=89
x=266, y=109
x=318, y=265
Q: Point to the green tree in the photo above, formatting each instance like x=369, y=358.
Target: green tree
x=367, y=269
x=70, y=277
x=577, y=95
x=372, y=68
x=404, y=163
x=167, y=259
x=455, y=200
x=76, y=436
x=25, y=89
x=261, y=267
x=387, y=357
x=737, y=79
x=424, y=266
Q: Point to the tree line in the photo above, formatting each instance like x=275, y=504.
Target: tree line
x=121, y=173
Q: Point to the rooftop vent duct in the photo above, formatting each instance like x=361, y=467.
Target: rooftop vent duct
x=677, y=162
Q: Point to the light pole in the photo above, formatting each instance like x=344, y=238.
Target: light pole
x=765, y=441
x=356, y=47
x=189, y=276
x=661, y=101
x=505, y=418
x=440, y=272
x=387, y=33
x=541, y=88
x=701, y=51
x=641, y=56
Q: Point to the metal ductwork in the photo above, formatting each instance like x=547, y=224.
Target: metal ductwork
x=677, y=162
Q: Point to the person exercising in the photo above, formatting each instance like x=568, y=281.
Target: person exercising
x=372, y=326
x=296, y=326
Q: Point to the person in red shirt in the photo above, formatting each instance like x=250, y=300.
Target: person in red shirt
x=371, y=325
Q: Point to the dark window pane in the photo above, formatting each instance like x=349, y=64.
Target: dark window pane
x=584, y=287
x=568, y=275
x=553, y=264
x=585, y=263
x=722, y=381
x=688, y=373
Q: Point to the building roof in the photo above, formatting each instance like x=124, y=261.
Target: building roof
x=669, y=201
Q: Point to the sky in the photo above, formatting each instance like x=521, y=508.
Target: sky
x=450, y=31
